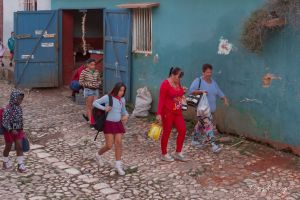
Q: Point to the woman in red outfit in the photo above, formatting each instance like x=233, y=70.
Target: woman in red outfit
x=169, y=113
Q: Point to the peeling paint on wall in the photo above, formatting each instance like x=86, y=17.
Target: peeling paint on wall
x=246, y=100
x=224, y=47
x=155, y=59
x=267, y=79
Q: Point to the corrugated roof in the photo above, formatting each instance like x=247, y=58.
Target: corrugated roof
x=139, y=5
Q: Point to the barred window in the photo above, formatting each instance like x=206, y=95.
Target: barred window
x=142, y=30
x=30, y=5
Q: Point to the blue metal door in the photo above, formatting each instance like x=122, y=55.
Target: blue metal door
x=36, y=49
x=117, y=48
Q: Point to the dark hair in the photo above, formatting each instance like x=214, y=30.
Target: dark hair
x=90, y=60
x=175, y=71
x=116, y=89
x=206, y=67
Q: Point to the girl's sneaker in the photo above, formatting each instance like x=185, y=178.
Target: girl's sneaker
x=7, y=165
x=99, y=160
x=167, y=158
x=21, y=168
x=120, y=170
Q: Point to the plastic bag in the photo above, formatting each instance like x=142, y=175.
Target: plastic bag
x=142, y=103
x=154, y=132
x=203, y=108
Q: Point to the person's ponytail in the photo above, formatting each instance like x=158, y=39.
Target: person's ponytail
x=171, y=70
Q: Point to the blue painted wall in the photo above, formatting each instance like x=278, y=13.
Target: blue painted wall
x=187, y=33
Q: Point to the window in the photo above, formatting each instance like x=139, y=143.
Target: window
x=30, y=5
x=142, y=26
x=142, y=30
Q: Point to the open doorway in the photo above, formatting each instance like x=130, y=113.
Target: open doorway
x=82, y=38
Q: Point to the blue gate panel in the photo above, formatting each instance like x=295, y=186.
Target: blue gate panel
x=117, y=49
x=36, y=52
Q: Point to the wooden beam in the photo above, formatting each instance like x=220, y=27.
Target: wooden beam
x=138, y=5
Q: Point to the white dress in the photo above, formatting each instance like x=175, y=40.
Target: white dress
x=2, y=49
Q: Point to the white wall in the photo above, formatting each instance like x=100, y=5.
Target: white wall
x=43, y=4
x=11, y=6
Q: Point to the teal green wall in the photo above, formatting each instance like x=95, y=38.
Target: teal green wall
x=186, y=33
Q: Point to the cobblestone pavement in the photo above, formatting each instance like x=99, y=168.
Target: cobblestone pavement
x=61, y=162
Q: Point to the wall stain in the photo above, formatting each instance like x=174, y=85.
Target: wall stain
x=267, y=79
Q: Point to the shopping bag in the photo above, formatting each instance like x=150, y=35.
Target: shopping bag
x=203, y=108
x=155, y=131
x=193, y=100
x=184, y=105
x=25, y=144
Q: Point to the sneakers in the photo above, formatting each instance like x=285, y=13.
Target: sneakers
x=195, y=143
x=216, y=148
x=7, y=165
x=180, y=157
x=92, y=127
x=85, y=117
x=99, y=160
x=167, y=158
x=21, y=168
x=119, y=168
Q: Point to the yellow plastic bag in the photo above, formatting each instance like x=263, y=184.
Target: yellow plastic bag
x=154, y=132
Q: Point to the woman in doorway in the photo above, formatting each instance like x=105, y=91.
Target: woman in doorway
x=169, y=113
x=113, y=126
x=90, y=80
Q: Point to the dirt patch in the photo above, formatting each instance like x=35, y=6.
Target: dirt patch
x=271, y=161
x=229, y=175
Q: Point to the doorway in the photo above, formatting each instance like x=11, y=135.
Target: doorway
x=82, y=38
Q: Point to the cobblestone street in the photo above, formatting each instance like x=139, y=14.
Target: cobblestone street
x=61, y=161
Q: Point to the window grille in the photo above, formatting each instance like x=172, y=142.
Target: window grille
x=30, y=5
x=142, y=30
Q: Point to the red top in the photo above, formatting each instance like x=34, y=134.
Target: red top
x=78, y=72
x=170, y=99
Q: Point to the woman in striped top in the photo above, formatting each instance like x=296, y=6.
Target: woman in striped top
x=90, y=80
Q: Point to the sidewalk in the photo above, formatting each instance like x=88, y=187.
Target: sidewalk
x=61, y=163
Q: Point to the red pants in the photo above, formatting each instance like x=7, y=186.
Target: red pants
x=168, y=120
